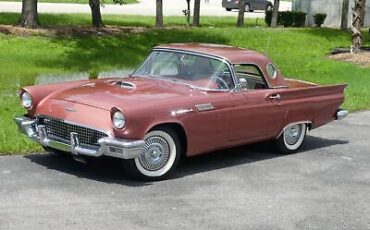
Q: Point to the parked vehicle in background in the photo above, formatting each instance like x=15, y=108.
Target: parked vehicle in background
x=250, y=5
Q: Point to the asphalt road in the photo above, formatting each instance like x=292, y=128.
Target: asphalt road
x=144, y=7
x=324, y=186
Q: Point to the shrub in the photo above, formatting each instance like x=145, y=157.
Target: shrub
x=287, y=18
x=268, y=17
x=299, y=19
x=319, y=19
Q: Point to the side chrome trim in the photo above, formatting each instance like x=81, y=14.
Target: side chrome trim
x=115, y=147
x=181, y=111
x=204, y=107
x=293, y=123
x=341, y=114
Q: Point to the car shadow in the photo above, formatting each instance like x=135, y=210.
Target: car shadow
x=109, y=170
x=246, y=154
x=103, y=169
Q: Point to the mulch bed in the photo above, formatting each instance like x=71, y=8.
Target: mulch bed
x=362, y=58
x=71, y=30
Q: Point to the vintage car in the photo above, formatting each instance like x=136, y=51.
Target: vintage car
x=183, y=100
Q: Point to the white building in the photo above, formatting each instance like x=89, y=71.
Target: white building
x=332, y=9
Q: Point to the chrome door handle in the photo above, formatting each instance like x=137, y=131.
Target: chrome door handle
x=275, y=97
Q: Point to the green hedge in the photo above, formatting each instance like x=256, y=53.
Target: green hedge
x=287, y=18
x=319, y=19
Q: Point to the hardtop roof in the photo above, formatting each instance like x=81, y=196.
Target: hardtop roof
x=234, y=55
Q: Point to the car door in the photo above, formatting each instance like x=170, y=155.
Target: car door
x=252, y=4
x=257, y=113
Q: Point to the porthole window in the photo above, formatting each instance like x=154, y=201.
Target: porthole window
x=271, y=71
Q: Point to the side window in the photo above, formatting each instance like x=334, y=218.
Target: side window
x=250, y=77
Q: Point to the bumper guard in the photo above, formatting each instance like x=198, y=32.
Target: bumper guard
x=115, y=147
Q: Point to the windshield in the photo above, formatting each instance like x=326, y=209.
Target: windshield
x=195, y=70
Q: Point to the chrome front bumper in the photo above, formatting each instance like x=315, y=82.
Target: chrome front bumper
x=115, y=147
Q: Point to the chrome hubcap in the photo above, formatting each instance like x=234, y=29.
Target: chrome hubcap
x=155, y=153
x=292, y=134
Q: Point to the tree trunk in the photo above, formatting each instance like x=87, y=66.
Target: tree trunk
x=188, y=13
x=344, y=20
x=275, y=14
x=241, y=6
x=95, y=13
x=356, y=25
x=29, y=17
x=159, y=14
x=196, y=17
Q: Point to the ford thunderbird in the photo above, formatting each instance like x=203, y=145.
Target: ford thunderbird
x=183, y=100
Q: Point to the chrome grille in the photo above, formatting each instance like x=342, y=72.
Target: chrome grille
x=59, y=129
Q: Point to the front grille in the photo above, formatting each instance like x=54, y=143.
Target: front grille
x=62, y=130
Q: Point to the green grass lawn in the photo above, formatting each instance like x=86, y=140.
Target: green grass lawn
x=73, y=1
x=299, y=53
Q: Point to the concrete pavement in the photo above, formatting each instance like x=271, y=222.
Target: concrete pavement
x=324, y=186
x=144, y=7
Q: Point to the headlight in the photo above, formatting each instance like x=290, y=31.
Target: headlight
x=118, y=120
x=26, y=100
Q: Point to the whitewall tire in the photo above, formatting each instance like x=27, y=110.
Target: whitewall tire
x=291, y=138
x=247, y=8
x=159, y=158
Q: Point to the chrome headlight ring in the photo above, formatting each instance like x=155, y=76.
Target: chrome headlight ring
x=118, y=119
x=26, y=100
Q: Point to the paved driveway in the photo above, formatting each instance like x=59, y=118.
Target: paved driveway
x=325, y=186
x=145, y=7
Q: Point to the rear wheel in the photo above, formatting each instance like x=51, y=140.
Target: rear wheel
x=269, y=7
x=292, y=138
x=247, y=8
x=159, y=158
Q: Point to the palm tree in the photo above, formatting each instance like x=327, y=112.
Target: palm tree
x=357, y=22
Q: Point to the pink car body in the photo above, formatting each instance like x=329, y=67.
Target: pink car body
x=77, y=116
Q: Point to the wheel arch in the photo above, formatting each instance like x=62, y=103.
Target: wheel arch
x=178, y=129
x=307, y=122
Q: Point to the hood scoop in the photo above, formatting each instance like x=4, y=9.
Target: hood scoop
x=125, y=84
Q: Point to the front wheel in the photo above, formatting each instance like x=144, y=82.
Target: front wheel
x=291, y=138
x=159, y=158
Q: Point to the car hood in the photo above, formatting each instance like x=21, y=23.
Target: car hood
x=123, y=92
